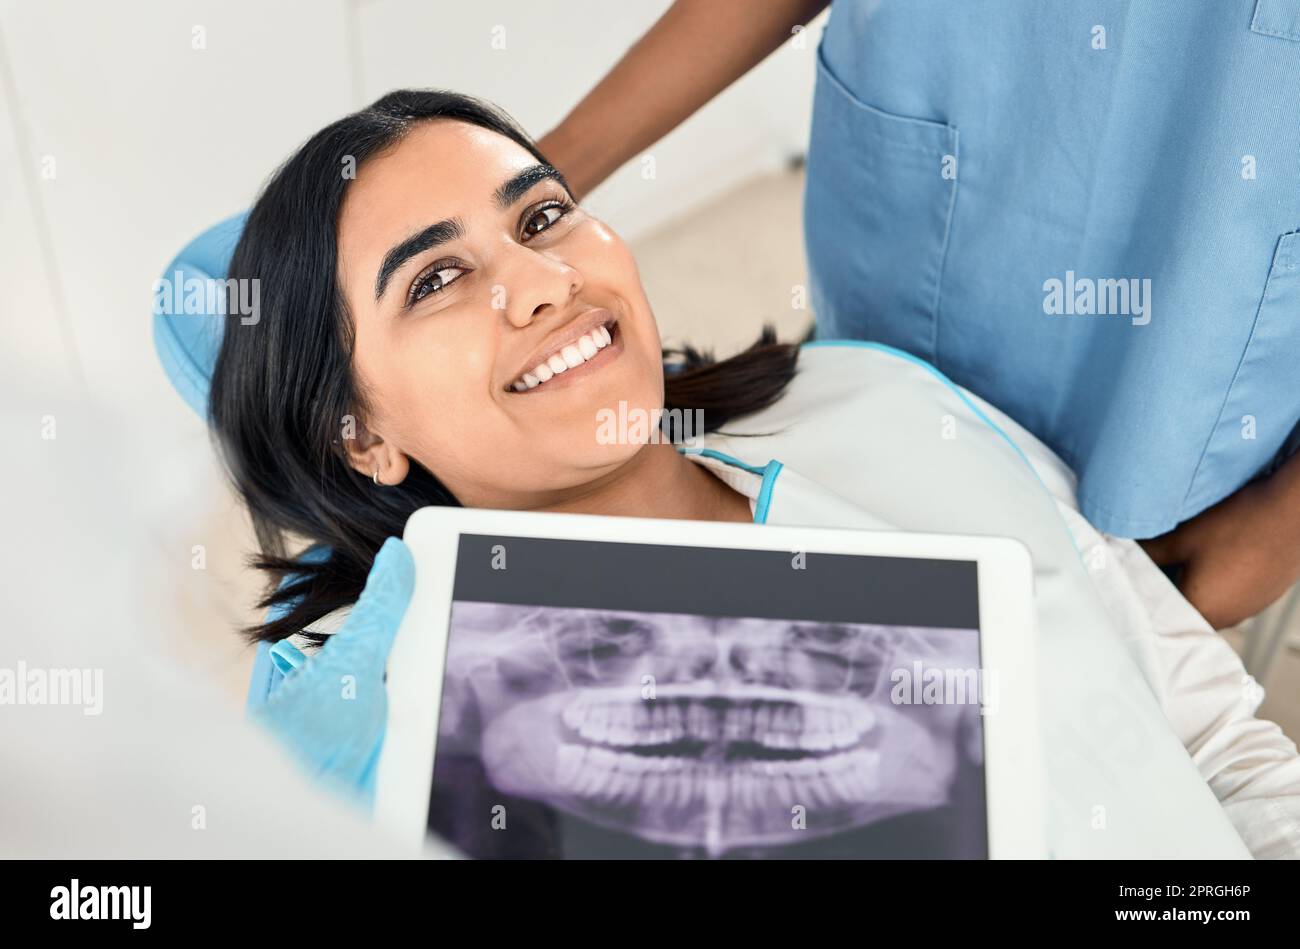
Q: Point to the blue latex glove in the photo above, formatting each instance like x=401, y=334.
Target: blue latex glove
x=331, y=710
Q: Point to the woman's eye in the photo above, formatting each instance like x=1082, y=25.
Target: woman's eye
x=434, y=281
x=543, y=218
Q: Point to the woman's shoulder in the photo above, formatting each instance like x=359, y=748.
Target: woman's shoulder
x=847, y=360
x=860, y=396
x=852, y=380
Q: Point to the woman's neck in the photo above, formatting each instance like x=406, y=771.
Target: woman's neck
x=659, y=481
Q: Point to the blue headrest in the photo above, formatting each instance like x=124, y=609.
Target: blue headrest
x=188, y=336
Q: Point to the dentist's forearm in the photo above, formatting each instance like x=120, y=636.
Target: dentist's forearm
x=1242, y=554
x=1281, y=491
x=1288, y=488
x=693, y=52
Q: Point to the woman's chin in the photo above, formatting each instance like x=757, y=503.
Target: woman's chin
x=607, y=456
x=606, y=418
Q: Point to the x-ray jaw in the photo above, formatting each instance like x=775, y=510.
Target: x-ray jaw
x=702, y=732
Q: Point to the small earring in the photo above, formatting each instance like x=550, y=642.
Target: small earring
x=377, y=481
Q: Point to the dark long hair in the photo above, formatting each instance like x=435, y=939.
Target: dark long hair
x=283, y=386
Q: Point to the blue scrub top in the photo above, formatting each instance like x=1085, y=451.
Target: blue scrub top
x=982, y=175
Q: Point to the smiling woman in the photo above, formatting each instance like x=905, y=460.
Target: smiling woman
x=406, y=308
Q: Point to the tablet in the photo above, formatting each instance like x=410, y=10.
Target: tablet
x=577, y=686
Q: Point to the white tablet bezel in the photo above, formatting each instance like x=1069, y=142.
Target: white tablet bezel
x=1014, y=785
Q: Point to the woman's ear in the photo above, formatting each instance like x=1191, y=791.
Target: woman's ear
x=372, y=456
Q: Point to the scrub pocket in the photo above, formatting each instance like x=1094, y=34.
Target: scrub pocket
x=1280, y=18
x=877, y=206
x=1263, y=403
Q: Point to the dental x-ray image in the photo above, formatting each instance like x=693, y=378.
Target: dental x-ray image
x=571, y=732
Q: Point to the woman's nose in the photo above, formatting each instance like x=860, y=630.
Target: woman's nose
x=535, y=285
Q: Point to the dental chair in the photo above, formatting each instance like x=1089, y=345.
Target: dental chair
x=187, y=345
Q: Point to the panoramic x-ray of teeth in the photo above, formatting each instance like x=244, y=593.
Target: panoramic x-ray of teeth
x=682, y=735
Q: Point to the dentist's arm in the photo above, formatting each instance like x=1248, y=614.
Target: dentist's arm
x=693, y=52
x=1242, y=554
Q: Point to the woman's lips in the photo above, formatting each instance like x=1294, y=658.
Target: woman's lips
x=574, y=362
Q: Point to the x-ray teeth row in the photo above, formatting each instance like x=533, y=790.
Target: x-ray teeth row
x=699, y=734
x=670, y=718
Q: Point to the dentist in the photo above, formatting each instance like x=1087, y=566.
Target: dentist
x=1086, y=213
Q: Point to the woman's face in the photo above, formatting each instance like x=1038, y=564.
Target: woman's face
x=465, y=266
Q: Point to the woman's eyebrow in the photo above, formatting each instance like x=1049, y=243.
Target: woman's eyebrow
x=431, y=236
x=511, y=191
x=518, y=185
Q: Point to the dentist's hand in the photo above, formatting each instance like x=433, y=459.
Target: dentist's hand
x=1240, y=555
x=331, y=711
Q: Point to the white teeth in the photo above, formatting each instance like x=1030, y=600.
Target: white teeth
x=575, y=354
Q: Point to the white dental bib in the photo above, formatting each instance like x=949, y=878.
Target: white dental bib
x=867, y=437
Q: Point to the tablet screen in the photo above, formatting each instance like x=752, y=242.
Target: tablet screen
x=640, y=700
